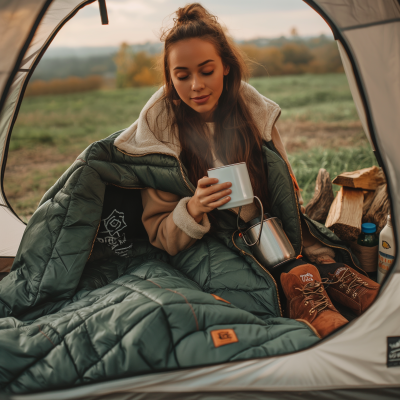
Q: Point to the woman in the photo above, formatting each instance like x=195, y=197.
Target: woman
x=208, y=116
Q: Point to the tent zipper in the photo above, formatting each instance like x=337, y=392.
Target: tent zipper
x=263, y=268
x=165, y=154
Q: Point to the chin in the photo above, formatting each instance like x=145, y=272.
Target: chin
x=203, y=109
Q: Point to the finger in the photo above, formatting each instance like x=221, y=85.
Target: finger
x=219, y=203
x=216, y=188
x=215, y=197
x=204, y=182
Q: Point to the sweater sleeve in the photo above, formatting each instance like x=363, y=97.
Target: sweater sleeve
x=167, y=222
x=276, y=139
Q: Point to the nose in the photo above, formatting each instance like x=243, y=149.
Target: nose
x=197, y=83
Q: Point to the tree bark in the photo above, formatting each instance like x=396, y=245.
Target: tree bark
x=318, y=207
x=368, y=198
x=379, y=209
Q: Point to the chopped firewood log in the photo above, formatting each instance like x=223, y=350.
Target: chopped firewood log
x=368, y=197
x=379, y=209
x=367, y=178
x=318, y=207
x=345, y=214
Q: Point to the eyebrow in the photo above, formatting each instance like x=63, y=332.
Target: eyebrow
x=200, y=65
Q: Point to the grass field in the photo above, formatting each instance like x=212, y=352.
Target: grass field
x=319, y=126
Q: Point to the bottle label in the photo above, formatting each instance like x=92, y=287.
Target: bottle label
x=385, y=261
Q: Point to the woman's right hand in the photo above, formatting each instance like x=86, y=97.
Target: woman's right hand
x=207, y=197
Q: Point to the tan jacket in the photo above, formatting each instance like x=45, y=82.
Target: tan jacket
x=170, y=227
x=165, y=217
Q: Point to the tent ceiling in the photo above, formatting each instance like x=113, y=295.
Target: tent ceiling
x=349, y=14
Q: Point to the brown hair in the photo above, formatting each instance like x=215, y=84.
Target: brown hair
x=236, y=137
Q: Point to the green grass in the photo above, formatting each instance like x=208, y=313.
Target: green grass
x=76, y=119
x=313, y=98
x=307, y=164
x=82, y=118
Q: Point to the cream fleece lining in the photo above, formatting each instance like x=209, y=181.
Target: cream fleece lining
x=185, y=222
x=157, y=137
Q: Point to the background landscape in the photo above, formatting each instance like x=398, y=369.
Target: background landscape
x=80, y=95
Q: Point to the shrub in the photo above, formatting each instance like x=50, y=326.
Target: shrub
x=72, y=84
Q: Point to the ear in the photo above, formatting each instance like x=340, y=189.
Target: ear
x=226, y=70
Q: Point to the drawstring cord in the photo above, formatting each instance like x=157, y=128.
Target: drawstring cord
x=313, y=289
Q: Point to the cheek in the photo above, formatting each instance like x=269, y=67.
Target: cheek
x=217, y=84
x=182, y=88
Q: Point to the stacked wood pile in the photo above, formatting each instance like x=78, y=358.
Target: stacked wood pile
x=362, y=198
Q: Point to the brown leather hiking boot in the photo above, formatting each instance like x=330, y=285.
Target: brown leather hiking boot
x=352, y=289
x=307, y=300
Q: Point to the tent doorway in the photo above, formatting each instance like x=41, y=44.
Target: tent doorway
x=368, y=36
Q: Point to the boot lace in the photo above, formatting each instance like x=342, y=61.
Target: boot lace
x=314, y=291
x=352, y=281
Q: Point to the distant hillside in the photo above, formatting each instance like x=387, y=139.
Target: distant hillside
x=86, y=52
x=62, y=62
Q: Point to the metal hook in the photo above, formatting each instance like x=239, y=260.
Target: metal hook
x=261, y=224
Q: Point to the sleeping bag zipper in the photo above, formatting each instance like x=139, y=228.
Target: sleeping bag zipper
x=263, y=268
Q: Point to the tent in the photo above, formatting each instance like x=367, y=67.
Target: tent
x=360, y=361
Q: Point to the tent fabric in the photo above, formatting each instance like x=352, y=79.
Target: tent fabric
x=16, y=20
x=11, y=231
x=348, y=14
x=370, y=35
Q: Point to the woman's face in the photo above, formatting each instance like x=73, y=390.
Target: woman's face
x=198, y=74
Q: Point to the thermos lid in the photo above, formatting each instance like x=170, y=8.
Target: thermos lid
x=368, y=227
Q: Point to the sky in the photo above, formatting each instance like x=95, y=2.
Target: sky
x=139, y=21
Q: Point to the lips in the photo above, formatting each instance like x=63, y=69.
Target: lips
x=201, y=99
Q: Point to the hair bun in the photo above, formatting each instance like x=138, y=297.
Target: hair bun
x=191, y=12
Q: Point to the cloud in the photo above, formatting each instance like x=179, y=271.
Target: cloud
x=274, y=23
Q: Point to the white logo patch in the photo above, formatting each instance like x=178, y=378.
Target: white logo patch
x=307, y=277
x=114, y=224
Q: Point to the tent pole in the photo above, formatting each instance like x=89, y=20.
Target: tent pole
x=103, y=12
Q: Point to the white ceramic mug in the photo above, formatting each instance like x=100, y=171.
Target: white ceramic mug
x=238, y=175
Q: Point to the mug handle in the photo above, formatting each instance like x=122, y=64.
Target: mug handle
x=261, y=224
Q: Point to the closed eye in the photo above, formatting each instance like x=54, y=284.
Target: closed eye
x=182, y=78
x=208, y=73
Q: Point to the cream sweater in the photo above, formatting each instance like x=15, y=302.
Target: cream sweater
x=166, y=220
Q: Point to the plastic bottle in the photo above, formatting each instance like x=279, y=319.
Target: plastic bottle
x=387, y=249
x=368, y=237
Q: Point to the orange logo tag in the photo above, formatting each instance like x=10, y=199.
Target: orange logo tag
x=220, y=298
x=222, y=337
